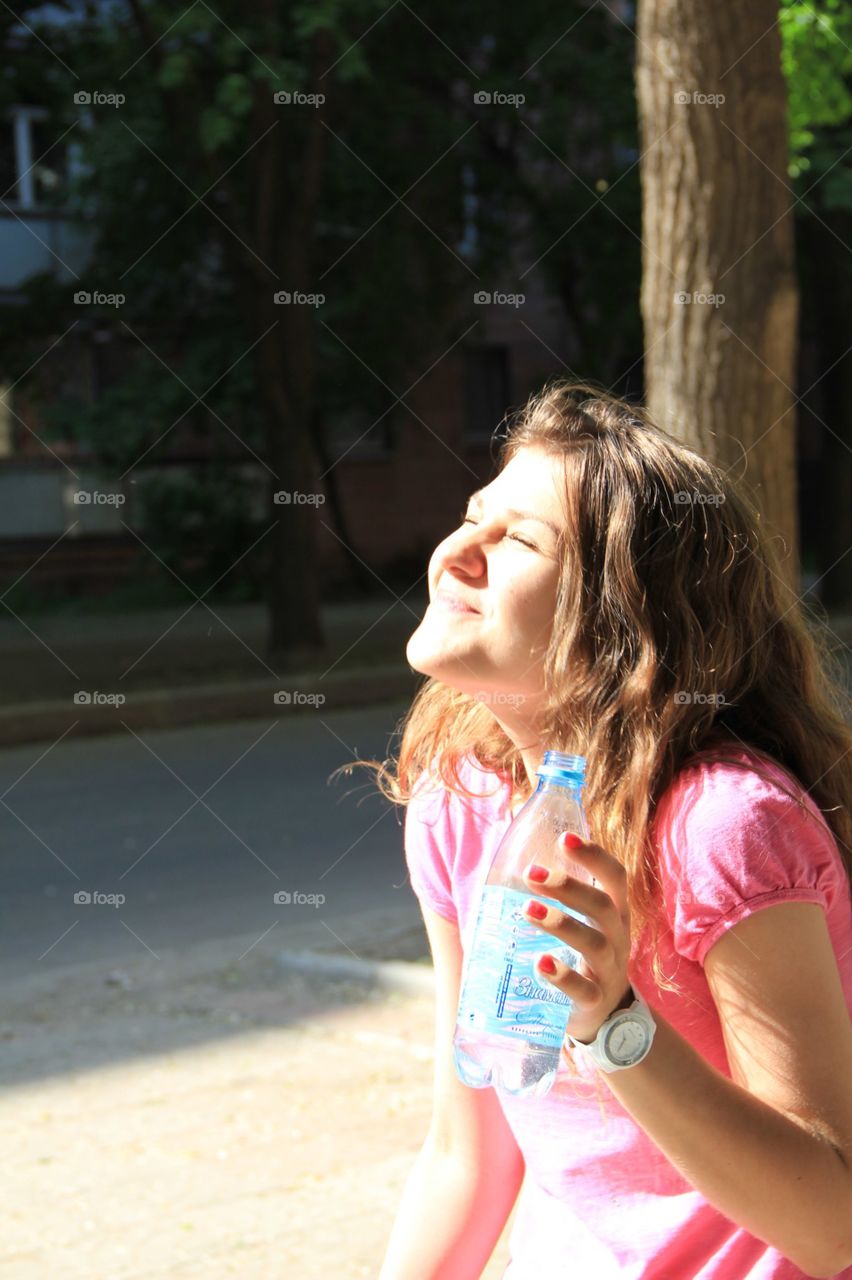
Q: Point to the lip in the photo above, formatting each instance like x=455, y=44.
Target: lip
x=454, y=603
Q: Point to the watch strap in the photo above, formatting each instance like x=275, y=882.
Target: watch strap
x=595, y=1050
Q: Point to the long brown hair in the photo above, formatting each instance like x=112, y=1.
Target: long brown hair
x=674, y=635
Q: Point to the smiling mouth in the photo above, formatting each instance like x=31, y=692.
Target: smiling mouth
x=454, y=605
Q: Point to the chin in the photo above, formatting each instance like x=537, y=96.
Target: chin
x=429, y=665
x=419, y=659
x=436, y=665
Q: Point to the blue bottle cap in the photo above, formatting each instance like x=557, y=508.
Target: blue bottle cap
x=557, y=766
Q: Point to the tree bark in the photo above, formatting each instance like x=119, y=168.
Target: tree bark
x=288, y=170
x=718, y=229
x=360, y=578
x=832, y=394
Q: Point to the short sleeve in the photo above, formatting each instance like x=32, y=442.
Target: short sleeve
x=733, y=843
x=428, y=847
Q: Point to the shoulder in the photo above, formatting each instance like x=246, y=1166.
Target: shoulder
x=743, y=788
x=742, y=828
x=490, y=793
x=735, y=835
x=448, y=835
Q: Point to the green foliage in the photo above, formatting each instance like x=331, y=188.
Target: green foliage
x=199, y=523
x=174, y=70
x=817, y=62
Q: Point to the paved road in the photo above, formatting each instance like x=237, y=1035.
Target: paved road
x=120, y=815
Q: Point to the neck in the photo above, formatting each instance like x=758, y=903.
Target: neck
x=524, y=734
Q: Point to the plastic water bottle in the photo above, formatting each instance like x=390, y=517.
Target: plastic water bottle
x=511, y=1022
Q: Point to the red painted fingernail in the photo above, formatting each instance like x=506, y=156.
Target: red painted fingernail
x=537, y=910
x=537, y=872
x=547, y=964
x=571, y=841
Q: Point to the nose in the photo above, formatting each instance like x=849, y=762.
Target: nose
x=461, y=554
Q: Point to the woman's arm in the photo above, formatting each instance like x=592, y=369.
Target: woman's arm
x=772, y=1148
x=466, y=1177
x=449, y=1219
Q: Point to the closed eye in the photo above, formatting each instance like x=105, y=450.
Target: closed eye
x=510, y=537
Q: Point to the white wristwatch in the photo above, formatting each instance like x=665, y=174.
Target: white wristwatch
x=623, y=1040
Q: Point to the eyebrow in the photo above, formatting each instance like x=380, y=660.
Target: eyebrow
x=519, y=515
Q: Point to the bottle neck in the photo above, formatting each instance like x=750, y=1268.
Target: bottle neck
x=573, y=789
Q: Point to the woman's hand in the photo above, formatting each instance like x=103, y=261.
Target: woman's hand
x=599, y=984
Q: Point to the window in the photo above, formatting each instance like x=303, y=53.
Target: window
x=32, y=160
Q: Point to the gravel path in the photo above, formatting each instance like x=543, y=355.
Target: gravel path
x=208, y=1115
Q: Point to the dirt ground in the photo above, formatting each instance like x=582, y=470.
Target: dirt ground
x=208, y=1114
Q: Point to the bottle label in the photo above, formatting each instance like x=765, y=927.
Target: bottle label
x=501, y=993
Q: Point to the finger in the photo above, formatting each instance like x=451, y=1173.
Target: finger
x=584, y=991
x=594, y=946
x=582, y=897
x=600, y=865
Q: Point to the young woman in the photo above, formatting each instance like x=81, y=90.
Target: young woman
x=610, y=594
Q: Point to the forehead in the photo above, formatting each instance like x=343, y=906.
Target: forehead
x=533, y=481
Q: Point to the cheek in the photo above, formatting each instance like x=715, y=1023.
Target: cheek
x=533, y=605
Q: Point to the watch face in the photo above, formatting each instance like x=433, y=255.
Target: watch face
x=626, y=1040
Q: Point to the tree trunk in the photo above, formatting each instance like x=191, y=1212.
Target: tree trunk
x=295, y=628
x=288, y=169
x=832, y=394
x=363, y=581
x=719, y=297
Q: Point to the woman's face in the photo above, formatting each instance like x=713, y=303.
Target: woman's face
x=501, y=563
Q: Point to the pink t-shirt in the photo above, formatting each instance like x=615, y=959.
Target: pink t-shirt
x=600, y=1200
